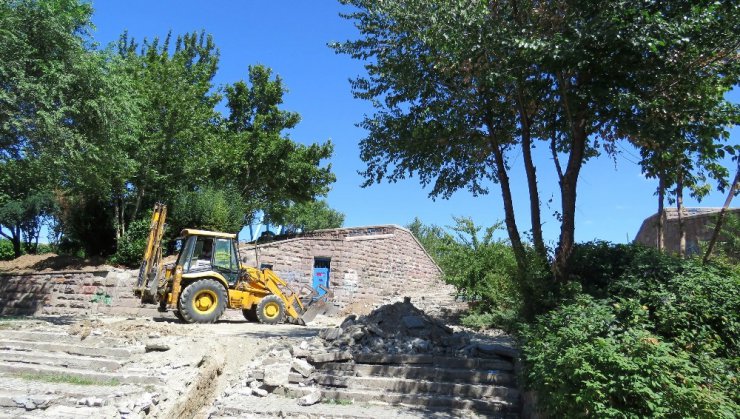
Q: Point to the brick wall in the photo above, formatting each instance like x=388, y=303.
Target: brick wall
x=70, y=293
x=370, y=266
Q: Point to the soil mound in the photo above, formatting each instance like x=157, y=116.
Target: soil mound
x=49, y=262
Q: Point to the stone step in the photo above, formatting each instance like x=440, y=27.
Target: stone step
x=438, y=361
x=120, y=353
x=492, y=408
x=43, y=336
x=418, y=387
x=288, y=408
x=429, y=373
x=68, y=361
x=10, y=368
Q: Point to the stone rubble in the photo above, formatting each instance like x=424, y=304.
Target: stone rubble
x=393, y=329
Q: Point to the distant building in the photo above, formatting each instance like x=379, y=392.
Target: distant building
x=364, y=266
x=698, y=224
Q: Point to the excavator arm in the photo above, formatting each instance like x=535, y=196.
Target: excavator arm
x=151, y=265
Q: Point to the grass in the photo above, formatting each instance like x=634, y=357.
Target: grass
x=338, y=402
x=68, y=379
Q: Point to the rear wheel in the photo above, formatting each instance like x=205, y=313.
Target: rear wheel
x=203, y=301
x=251, y=313
x=271, y=310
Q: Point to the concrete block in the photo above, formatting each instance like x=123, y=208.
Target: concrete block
x=277, y=374
x=310, y=399
x=302, y=367
x=330, y=357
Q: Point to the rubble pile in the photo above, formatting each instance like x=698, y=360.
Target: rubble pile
x=398, y=329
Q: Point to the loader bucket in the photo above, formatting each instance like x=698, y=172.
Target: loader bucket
x=315, y=306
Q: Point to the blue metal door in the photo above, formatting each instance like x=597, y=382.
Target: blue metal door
x=320, y=278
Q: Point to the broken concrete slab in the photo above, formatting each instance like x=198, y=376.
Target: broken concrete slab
x=302, y=367
x=310, y=399
x=277, y=374
x=330, y=357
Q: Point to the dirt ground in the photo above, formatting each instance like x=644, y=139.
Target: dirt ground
x=49, y=262
x=171, y=369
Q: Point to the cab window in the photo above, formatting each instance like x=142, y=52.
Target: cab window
x=224, y=256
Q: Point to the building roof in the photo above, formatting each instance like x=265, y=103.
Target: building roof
x=671, y=213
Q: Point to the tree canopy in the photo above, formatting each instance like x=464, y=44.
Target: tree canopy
x=90, y=138
x=459, y=86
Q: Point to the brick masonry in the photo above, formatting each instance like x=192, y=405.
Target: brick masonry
x=71, y=293
x=369, y=266
x=698, y=224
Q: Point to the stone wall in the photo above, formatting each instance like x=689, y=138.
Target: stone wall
x=70, y=293
x=698, y=224
x=370, y=266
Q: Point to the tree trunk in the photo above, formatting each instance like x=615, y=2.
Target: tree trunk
x=734, y=188
x=531, y=170
x=509, y=216
x=568, y=189
x=116, y=218
x=16, y=240
x=661, y=213
x=139, y=196
x=679, y=208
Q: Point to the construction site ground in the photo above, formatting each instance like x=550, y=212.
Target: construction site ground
x=113, y=367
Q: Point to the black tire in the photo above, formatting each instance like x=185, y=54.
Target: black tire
x=271, y=310
x=203, y=301
x=178, y=315
x=251, y=314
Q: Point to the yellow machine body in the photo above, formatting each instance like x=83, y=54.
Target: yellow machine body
x=208, y=278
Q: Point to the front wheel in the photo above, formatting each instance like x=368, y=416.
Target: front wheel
x=203, y=301
x=271, y=310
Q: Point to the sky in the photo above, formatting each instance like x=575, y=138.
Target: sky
x=291, y=37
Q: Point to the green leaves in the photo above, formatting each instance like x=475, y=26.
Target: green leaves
x=653, y=335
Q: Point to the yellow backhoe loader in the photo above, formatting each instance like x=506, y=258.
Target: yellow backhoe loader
x=208, y=278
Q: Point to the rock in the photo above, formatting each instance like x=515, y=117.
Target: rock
x=260, y=392
x=330, y=357
x=310, y=398
x=372, y=327
x=27, y=403
x=349, y=321
x=496, y=349
x=302, y=367
x=255, y=385
x=245, y=391
x=156, y=347
x=331, y=334
x=93, y=402
x=413, y=322
x=303, y=345
x=277, y=374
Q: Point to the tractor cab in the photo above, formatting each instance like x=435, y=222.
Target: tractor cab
x=204, y=251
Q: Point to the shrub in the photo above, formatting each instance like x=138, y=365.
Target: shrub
x=651, y=335
x=6, y=250
x=130, y=248
x=600, y=358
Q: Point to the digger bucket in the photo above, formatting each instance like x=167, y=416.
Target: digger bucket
x=315, y=305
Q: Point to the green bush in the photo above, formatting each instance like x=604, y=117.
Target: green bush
x=598, y=358
x=130, y=248
x=651, y=335
x=6, y=250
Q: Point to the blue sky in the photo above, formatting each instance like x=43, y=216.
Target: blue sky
x=291, y=38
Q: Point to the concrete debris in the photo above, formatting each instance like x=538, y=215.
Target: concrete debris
x=277, y=374
x=310, y=399
x=302, y=367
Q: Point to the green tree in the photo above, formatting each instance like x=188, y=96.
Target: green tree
x=175, y=145
x=460, y=85
x=208, y=209
x=310, y=215
x=269, y=171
